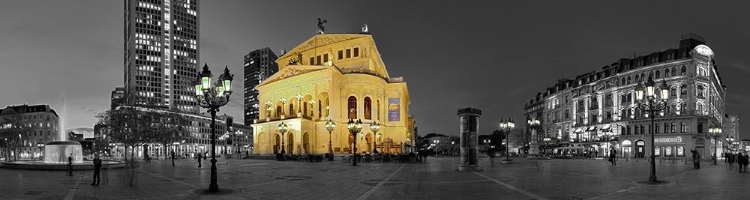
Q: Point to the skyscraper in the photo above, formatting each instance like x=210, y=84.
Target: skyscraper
x=259, y=65
x=161, y=51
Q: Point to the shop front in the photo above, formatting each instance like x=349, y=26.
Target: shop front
x=672, y=147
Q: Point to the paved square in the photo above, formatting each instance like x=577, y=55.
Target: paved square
x=436, y=179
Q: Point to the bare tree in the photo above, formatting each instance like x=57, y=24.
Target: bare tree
x=12, y=129
x=169, y=127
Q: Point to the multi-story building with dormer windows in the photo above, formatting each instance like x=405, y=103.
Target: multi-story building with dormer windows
x=597, y=111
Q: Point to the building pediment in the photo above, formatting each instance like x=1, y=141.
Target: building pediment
x=291, y=71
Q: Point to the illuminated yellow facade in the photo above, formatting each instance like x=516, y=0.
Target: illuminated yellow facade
x=337, y=77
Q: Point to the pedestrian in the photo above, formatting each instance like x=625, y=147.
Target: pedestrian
x=104, y=174
x=205, y=155
x=730, y=159
x=199, y=160
x=172, y=154
x=97, y=170
x=747, y=161
x=740, y=161
x=696, y=159
x=491, y=156
x=147, y=158
x=613, y=156
x=70, y=165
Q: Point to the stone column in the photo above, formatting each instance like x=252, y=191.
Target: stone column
x=469, y=127
x=534, y=146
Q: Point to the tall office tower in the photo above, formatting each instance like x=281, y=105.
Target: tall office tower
x=161, y=52
x=259, y=65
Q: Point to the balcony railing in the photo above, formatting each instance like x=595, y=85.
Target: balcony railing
x=278, y=118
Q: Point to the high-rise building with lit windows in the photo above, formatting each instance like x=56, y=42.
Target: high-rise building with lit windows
x=161, y=51
x=259, y=65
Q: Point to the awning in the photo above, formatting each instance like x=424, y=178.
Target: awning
x=578, y=130
x=606, y=127
x=591, y=128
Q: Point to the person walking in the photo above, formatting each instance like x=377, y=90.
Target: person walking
x=730, y=160
x=747, y=161
x=199, y=159
x=613, y=156
x=696, y=159
x=70, y=165
x=97, y=170
x=172, y=154
x=491, y=156
x=741, y=161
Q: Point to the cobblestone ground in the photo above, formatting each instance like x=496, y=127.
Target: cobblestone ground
x=435, y=179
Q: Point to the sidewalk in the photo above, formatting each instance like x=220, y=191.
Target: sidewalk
x=435, y=179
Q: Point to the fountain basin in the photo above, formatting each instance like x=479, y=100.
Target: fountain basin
x=43, y=165
x=59, y=151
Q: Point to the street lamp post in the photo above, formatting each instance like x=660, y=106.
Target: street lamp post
x=213, y=98
x=652, y=104
x=282, y=128
x=330, y=125
x=374, y=127
x=715, y=132
x=506, y=126
x=354, y=128
x=546, y=144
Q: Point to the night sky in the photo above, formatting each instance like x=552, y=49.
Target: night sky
x=452, y=54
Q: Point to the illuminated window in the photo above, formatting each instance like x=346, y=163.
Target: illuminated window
x=368, y=108
x=352, y=107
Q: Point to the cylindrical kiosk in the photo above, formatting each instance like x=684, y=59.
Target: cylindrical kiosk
x=469, y=127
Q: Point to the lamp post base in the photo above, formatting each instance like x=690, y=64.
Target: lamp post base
x=468, y=168
x=213, y=187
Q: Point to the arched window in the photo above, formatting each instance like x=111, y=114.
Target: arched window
x=700, y=108
x=629, y=79
x=666, y=73
x=352, y=107
x=279, y=111
x=700, y=91
x=674, y=71
x=683, y=89
x=368, y=108
x=643, y=76
x=623, y=82
x=684, y=70
x=651, y=75
x=637, y=78
x=291, y=110
x=658, y=74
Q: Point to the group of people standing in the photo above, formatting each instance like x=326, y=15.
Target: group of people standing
x=741, y=159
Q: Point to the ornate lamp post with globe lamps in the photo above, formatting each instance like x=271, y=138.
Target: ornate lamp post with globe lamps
x=652, y=104
x=506, y=126
x=212, y=98
x=354, y=128
x=282, y=128
x=715, y=132
x=374, y=127
x=330, y=125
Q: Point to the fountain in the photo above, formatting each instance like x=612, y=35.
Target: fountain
x=56, y=153
x=59, y=151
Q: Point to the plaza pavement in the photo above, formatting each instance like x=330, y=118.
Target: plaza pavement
x=435, y=179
